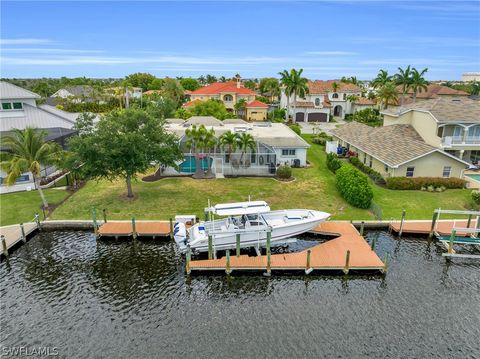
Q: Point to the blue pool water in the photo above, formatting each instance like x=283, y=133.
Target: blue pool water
x=474, y=177
x=190, y=165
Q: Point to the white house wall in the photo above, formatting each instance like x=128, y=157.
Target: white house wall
x=300, y=153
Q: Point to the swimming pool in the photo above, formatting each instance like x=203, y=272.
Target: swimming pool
x=190, y=164
x=475, y=177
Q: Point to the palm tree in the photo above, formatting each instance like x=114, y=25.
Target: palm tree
x=240, y=106
x=229, y=140
x=418, y=82
x=196, y=140
x=285, y=81
x=27, y=152
x=335, y=86
x=475, y=88
x=404, y=79
x=381, y=79
x=387, y=94
x=299, y=87
x=352, y=98
x=246, y=141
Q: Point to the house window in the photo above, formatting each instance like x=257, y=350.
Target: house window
x=410, y=171
x=317, y=102
x=6, y=106
x=386, y=168
x=228, y=98
x=364, y=158
x=253, y=158
x=344, y=96
x=17, y=105
x=447, y=170
x=370, y=162
x=288, y=152
x=335, y=95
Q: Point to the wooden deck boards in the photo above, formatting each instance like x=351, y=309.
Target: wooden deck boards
x=142, y=228
x=330, y=255
x=443, y=228
x=13, y=233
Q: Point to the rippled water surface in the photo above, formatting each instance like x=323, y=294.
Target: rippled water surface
x=133, y=300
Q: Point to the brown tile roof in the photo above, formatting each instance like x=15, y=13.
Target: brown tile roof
x=326, y=101
x=433, y=91
x=303, y=104
x=191, y=103
x=393, y=145
x=364, y=101
x=447, y=109
x=257, y=104
x=322, y=87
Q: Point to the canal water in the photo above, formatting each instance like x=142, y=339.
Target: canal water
x=121, y=299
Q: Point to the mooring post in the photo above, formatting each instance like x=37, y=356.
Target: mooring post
x=269, y=239
x=22, y=229
x=227, y=265
x=362, y=227
x=450, y=242
x=134, y=228
x=308, y=268
x=373, y=243
x=94, y=220
x=477, y=225
x=400, y=232
x=188, y=259
x=4, y=246
x=385, y=263
x=104, y=215
x=37, y=221
x=347, y=263
x=238, y=244
x=210, y=247
x=171, y=228
x=469, y=220
x=434, y=222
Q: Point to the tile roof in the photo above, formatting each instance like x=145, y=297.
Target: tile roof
x=433, y=91
x=364, y=101
x=257, y=104
x=219, y=87
x=304, y=104
x=203, y=120
x=322, y=87
x=326, y=101
x=392, y=145
x=234, y=121
x=10, y=91
x=191, y=103
x=445, y=109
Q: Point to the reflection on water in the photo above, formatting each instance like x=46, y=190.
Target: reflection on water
x=132, y=300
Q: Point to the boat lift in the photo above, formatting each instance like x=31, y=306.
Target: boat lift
x=460, y=235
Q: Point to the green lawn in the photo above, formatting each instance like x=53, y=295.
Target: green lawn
x=314, y=188
x=21, y=206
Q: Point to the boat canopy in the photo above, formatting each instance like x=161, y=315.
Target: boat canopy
x=239, y=208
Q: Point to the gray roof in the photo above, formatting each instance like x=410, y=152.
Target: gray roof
x=175, y=120
x=392, y=145
x=32, y=116
x=9, y=91
x=445, y=109
x=203, y=120
x=80, y=90
x=72, y=116
x=234, y=120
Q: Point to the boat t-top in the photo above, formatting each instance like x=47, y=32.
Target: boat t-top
x=251, y=221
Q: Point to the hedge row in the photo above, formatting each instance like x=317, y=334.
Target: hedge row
x=370, y=172
x=416, y=183
x=353, y=185
x=333, y=163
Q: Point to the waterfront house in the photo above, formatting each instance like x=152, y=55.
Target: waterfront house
x=275, y=144
x=324, y=100
x=397, y=150
x=18, y=111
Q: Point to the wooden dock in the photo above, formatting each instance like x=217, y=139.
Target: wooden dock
x=14, y=234
x=347, y=252
x=150, y=229
x=442, y=228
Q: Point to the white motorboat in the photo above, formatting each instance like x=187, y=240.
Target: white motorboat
x=251, y=220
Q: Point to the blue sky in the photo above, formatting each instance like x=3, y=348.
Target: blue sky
x=254, y=38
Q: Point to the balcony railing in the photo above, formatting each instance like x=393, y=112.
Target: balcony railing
x=460, y=140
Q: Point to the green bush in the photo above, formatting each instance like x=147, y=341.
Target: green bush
x=295, y=128
x=370, y=172
x=333, y=163
x=476, y=196
x=353, y=185
x=417, y=183
x=284, y=172
x=369, y=116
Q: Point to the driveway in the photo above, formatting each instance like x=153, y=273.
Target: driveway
x=316, y=127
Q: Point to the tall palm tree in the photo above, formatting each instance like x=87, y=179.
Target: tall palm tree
x=335, y=86
x=299, y=87
x=27, y=152
x=352, y=98
x=195, y=141
x=240, y=106
x=387, y=94
x=404, y=79
x=382, y=79
x=418, y=82
x=229, y=141
x=246, y=141
x=285, y=81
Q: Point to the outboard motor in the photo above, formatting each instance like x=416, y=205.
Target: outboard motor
x=180, y=235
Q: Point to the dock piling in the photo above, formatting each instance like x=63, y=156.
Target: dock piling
x=362, y=227
x=269, y=254
x=469, y=220
x=434, y=222
x=22, y=229
x=308, y=269
x=227, y=265
x=37, y=221
x=188, y=257
x=385, y=262
x=171, y=228
x=4, y=246
x=237, y=244
x=450, y=242
x=373, y=243
x=400, y=232
x=134, y=229
x=94, y=220
x=104, y=215
x=347, y=263
x=210, y=247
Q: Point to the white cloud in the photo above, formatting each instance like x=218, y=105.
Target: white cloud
x=40, y=50
x=24, y=41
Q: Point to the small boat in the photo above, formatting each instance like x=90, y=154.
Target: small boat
x=250, y=220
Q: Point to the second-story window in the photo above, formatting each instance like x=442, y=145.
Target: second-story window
x=335, y=95
x=317, y=102
x=344, y=96
x=228, y=98
x=6, y=105
x=17, y=106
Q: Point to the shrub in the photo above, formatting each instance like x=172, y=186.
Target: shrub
x=370, y=172
x=284, y=172
x=296, y=128
x=476, y=196
x=333, y=163
x=417, y=183
x=319, y=140
x=354, y=187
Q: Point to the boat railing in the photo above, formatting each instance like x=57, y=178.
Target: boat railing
x=241, y=231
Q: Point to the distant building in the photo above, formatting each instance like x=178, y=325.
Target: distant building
x=433, y=91
x=471, y=76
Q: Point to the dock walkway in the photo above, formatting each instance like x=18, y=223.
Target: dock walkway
x=142, y=229
x=331, y=255
x=442, y=228
x=13, y=235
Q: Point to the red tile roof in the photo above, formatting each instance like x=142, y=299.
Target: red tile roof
x=303, y=104
x=257, y=104
x=219, y=87
x=322, y=87
x=364, y=101
x=433, y=90
x=191, y=103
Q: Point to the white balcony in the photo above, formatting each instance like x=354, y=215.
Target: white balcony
x=449, y=141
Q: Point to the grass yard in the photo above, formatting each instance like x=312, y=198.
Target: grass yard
x=21, y=206
x=314, y=188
